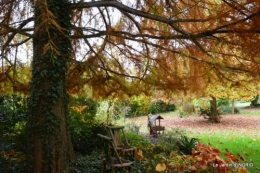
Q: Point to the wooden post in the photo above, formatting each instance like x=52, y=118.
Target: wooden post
x=233, y=106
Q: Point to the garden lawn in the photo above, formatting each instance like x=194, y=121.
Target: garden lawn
x=238, y=133
x=237, y=143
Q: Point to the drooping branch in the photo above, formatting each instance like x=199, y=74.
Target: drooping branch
x=127, y=9
x=161, y=47
x=106, y=69
x=15, y=31
x=170, y=22
x=21, y=42
x=19, y=31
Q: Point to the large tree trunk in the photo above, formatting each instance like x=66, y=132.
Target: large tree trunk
x=255, y=101
x=49, y=143
x=214, y=117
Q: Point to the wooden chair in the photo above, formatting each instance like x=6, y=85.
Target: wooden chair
x=122, y=145
x=112, y=158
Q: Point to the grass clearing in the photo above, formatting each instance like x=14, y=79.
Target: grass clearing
x=242, y=104
x=249, y=112
x=237, y=143
x=243, y=139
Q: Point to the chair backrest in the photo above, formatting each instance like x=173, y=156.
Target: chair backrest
x=109, y=148
x=115, y=132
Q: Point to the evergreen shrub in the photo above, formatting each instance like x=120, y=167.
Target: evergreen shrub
x=222, y=101
x=82, y=125
x=13, y=118
x=83, y=135
x=138, y=140
x=160, y=106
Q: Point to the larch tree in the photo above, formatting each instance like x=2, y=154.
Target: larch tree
x=120, y=46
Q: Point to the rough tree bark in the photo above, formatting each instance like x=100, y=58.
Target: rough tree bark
x=49, y=143
x=214, y=117
x=233, y=106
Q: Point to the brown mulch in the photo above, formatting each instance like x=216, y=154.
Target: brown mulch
x=236, y=123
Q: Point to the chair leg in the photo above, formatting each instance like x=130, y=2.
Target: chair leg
x=113, y=170
x=134, y=154
x=130, y=169
x=103, y=167
x=123, y=153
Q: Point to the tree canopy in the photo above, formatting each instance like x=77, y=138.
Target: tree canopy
x=118, y=47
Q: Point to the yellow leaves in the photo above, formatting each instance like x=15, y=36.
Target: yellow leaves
x=15, y=79
x=192, y=167
x=48, y=21
x=242, y=170
x=50, y=46
x=12, y=156
x=241, y=92
x=160, y=167
x=204, y=167
x=139, y=155
x=78, y=109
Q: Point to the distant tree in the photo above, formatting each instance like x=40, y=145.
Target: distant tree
x=234, y=91
x=118, y=47
x=254, y=102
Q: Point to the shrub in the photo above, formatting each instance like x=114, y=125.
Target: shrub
x=138, y=140
x=13, y=117
x=222, y=101
x=141, y=105
x=160, y=106
x=134, y=109
x=85, y=141
x=83, y=135
x=156, y=107
x=228, y=110
x=109, y=111
x=188, y=107
x=132, y=127
x=203, y=103
x=186, y=145
x=12, y=161
x=156, y=152
x=89, y=163
x=13, y=109
x=86, y=107
x=82, y=125
x=170, y=140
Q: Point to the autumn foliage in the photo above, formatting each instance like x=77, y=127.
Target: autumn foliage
x=204, y=158
x=122, y=47
x=117, y=47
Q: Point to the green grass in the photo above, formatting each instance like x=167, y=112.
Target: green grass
x=242, y=104
x=250, y=112
x=245, y=145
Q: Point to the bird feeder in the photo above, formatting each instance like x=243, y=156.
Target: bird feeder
x=155, y=125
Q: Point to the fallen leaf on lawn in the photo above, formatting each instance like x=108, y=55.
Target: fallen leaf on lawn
x=160, y=167
x=11, y=152
x=242, y=170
